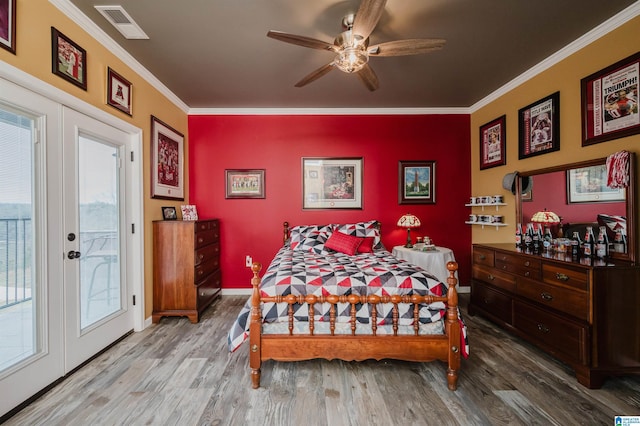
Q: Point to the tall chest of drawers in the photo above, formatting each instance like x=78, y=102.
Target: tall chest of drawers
x=585, y=313
x=186, y=267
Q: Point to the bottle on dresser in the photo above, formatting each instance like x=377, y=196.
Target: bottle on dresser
x=620, y=242
x=537, y=239
x=519, y=236
x=602, y=244
x=588, y=246
x=528, y=237
x=576, y=244
x=547, y=239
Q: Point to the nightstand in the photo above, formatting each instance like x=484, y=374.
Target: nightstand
x=433, y=261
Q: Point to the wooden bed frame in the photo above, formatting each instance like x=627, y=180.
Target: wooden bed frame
x=419, y=348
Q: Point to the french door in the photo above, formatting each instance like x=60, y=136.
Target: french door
x=65, y=289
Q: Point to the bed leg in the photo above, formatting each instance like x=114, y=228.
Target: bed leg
x=452, y=326
x=255, y=328
x=452, y=379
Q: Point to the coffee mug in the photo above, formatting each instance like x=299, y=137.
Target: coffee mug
x=473, y=218
x=497, y=199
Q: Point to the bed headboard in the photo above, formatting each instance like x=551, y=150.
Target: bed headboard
x=286, y=231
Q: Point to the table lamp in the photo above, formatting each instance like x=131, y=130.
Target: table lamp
x=545, y=217
x=408, y=221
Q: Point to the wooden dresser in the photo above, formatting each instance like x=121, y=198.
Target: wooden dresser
x=585, y=313
x=186, y=267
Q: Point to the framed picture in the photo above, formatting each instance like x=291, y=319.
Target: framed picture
x=417, y=182
x=167, y=161
x=8, y=25
x=539, y=127
x=169, y=213
x=332, y=183
x=493, y=143
x=527, y=196
x=119, y=91
x=68, y=60
x=244, y=183
x=589, y=185
x=610, y=102
x=189, y=212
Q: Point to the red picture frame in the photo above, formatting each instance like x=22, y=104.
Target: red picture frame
x=119, y=92
x=167, y=161
x=539, y=127
x=68, y=60
x=493, y=143
x=607, y=112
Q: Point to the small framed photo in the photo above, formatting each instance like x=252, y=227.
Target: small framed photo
x=332, y=183
x=589, y=185
x=167, y=161
x=417, y=182
x=539, y=127
x=493, y=143
x=68, y=60
x=245, y=183
x=610, y=102
x=8, y=25
x=189, y=212
x=169, y=213
x=119, y=91
x=527, y=196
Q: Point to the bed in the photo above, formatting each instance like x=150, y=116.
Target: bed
x=334, y=292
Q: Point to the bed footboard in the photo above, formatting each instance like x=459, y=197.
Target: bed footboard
x=414, y=347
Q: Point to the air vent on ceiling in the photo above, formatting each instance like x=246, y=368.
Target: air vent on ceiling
x=120, y=19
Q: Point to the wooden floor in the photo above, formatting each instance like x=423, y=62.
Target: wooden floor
x=178, y=373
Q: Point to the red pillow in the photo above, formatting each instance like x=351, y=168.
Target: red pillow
x=366, y=246
x=343, y=243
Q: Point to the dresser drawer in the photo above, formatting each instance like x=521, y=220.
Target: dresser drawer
x=492, y=302
x=205, y=237
x=206, y=253
x=205, y=269
x=567, y=300
x=482, y=256
x=494, y=277
x=209, y=288
x=521, y=265
x=565, y=276
x=560, y=336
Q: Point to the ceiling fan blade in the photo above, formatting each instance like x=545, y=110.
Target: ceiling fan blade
x=367, y=17
x=316, y=74
x=406, y=47
x=368, y=77
x=302, y=40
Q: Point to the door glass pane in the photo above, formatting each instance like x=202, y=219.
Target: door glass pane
x=18, y=335
x=98, y=195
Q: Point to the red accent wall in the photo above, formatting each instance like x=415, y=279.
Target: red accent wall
x=278, y=143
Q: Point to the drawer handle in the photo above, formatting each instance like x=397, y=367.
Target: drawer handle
x=527, y=273
x=491, y=277
x=200, y=239
x=562, y=277
x=527, y=263
x=202, y=293
x=200, y=272
x=504, y=267
x=486, y=301
x=543, y=328
x=201, y=256
x=546, y=296
x=482, y=257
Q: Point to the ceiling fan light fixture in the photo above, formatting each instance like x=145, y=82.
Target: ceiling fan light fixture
x=351, y=59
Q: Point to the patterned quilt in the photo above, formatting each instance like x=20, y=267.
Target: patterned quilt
x=303, y=272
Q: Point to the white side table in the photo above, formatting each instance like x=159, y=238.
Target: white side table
x=434, y=261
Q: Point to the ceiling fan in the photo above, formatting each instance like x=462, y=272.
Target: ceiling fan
x=352, y=45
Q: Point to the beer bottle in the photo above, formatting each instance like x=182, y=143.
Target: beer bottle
x=602, y=245
x=519, y=236
x=547, y=239
x=575, y=245
x=588, y=246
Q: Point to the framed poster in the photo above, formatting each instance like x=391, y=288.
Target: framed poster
x=332, y=183
x=68, y=60
x=244, y=183
x=610, y=102
x=493, y=143
x=417, y=182
x=589, y=185
x=167, y=161
x=8, y=25
x=539, y=127
x=118, y=91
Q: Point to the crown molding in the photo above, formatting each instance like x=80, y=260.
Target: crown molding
x=601, y=30
x=327, y=111
x=93, y=30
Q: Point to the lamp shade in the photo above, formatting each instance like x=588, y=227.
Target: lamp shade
x=409, y=221
x=545, y=217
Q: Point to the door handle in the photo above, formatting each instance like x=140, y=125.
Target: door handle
x=73, y=254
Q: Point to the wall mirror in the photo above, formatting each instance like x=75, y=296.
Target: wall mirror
x=578, y=194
